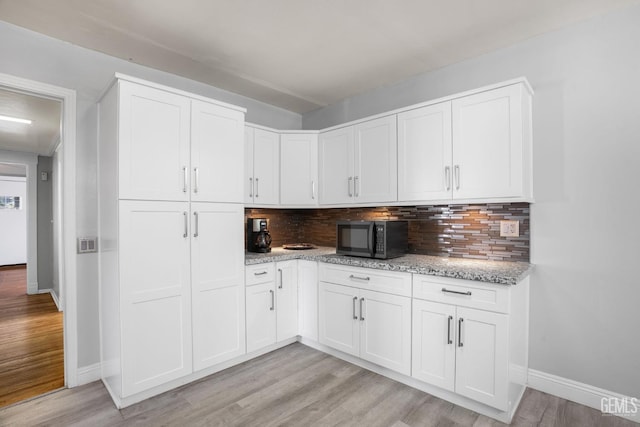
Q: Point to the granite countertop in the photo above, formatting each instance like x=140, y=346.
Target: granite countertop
x=500, y=272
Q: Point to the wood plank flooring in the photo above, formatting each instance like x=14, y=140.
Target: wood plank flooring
x=293, y=386
x=31, y=343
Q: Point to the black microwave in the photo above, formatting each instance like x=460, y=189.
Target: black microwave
x=372, y=239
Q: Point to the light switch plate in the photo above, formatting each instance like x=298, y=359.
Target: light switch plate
x=509, y=228
x=87, y=245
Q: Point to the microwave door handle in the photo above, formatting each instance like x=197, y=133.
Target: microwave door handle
x=372, y=228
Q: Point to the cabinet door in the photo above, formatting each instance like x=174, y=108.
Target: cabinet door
x=308, y=299
x=266, y=167
x=482, y=365
x=375, y=176
x=248, y=165
x=261, y=316
x=153, y=152
x=336, y=166
x=155, y=293
x=217, y=149
x=424, y=153
x=299, y=169
x=338, y=317
x=488, y=144
x=434, y=351
x=217, y=277
x=286, y=299
x=385, y=330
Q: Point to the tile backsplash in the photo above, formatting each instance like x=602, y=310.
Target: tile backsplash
x=462, y=231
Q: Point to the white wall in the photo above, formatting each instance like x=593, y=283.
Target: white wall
x=13, y=223
x=585, y=289
x=33, y=56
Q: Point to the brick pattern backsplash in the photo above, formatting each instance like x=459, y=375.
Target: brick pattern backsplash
x=462, y=231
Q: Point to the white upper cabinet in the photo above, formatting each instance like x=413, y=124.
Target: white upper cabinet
x=153, y=154
x=336, y=166
x=358, y=164
x=473, y=147
x=299, y=169
x=262, y=167
x=175, y=148
x=216, y=153
x=425, y=153
x=375, y=169
x=489, y=144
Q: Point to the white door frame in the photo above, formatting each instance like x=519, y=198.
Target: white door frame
x=68, y=138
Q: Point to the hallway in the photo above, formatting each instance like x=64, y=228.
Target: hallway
x=31, y=340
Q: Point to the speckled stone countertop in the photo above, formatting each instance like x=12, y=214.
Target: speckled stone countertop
x=501, y=272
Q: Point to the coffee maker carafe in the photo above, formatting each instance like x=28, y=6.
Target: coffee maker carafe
x=258, y=237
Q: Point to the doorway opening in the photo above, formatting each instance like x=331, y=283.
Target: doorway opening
x=41, y=348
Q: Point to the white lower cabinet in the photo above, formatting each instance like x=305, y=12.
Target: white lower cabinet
x=261, y=316
x=308, y=299
x=271, y=303
x=155, y=294
x=217, y=281
x=286, y=300
x=373, y=325
x=476, y=353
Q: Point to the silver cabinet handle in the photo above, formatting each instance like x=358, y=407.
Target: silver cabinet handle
x=184, y=178
x=447, y=177
x=272, y=300
x=361, y=314
x=195, y=179
x=355, y=186
x=313, y=190
x=280, y=272
x=257, y=187
x=195, y=216
x=349, y=181
x=456, y=169
x=359, y=277
x=456, y=292
x=186, y=226
x=260, y=273
x=355, y=317
x=449, y=330
x=250, y=187
x=460, y=320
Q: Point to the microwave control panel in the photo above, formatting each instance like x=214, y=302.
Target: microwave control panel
x=380, y=239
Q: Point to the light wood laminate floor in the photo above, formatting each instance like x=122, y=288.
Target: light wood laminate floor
x=31, y=343
x=293, y=386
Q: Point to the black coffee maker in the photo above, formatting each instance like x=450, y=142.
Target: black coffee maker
x=258, y=237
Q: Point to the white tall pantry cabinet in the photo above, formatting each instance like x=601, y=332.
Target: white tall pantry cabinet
x=170, y=190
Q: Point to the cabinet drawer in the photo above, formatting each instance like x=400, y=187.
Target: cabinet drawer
x=390, y=282
x=260, y=273
x=464, y=293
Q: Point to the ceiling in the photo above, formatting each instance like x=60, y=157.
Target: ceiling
x=42, y=135
x=298, y=54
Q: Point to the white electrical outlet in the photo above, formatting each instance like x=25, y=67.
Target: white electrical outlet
x=509, y=228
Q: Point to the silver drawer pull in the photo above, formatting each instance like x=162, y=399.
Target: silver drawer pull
x=260, y=273
x=456, y=292
x=359, y=278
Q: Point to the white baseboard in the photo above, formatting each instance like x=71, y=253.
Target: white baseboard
x=581, y=393
x=88, y=374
